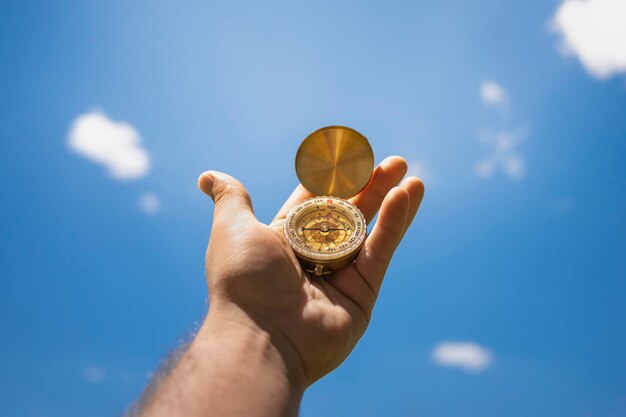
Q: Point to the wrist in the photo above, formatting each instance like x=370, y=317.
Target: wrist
x=228, y=327
x=240, y=369
x=232, y=368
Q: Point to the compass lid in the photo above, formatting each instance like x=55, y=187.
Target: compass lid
x=335, y=161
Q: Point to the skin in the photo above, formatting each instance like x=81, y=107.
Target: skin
x=271, y=329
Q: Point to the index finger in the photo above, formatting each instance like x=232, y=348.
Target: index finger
x=384, y=177
x=298, y=195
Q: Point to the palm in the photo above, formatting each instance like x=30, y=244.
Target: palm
x=320, y=319
x=276, y=290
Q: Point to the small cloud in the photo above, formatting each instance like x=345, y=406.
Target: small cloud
x=503, y=155
x=115, y=145
x=595, y=32
x=468, y=356
x=485, y=168
x=94, y=374
x=492, y=93
x=149, y=203
x=418, y=169
x=513, y=166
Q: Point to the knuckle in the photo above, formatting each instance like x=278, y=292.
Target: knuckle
x=392, y=232
x=230, y=189
x=381, y=260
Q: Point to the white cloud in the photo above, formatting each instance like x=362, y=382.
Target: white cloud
x=594, y=31
x=503, y=155
x=149, y=203
x=418, y=169
x=485, y=168
x=115, y=145
x=94, y=374
x=468, y=356
x=492, y=93
x=514, y=167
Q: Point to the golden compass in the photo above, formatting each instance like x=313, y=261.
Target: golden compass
x=327, y=232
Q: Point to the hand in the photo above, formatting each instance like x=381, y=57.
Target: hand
x=255, y=280
x=272, y=330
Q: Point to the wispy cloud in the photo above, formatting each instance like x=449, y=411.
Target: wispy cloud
x=492, y=93
x=116, y=145
x=149, y=203
x=468, y=356
x=419, y=169
x=94, y=374
x=503, y=156
x=594, y=31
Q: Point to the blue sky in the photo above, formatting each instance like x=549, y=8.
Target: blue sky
x=517, y=257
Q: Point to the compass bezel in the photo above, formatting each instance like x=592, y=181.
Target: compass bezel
x=302, y=209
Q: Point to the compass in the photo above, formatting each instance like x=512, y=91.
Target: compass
x=326, y=232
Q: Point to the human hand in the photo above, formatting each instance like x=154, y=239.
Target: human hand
x=256, y=282
x=272, y=330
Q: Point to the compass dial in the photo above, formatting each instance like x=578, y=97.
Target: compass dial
x=325, y=232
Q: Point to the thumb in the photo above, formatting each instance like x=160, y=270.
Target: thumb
x=231, y=198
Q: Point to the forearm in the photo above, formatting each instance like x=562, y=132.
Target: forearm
x=230, y=369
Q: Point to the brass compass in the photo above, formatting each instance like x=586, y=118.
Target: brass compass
x=327, y=232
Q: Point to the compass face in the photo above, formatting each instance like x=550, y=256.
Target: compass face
x=325, y=229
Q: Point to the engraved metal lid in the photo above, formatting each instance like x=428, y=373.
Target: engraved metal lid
x=336, y=161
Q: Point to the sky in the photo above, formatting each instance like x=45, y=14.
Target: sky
x=506, y=297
